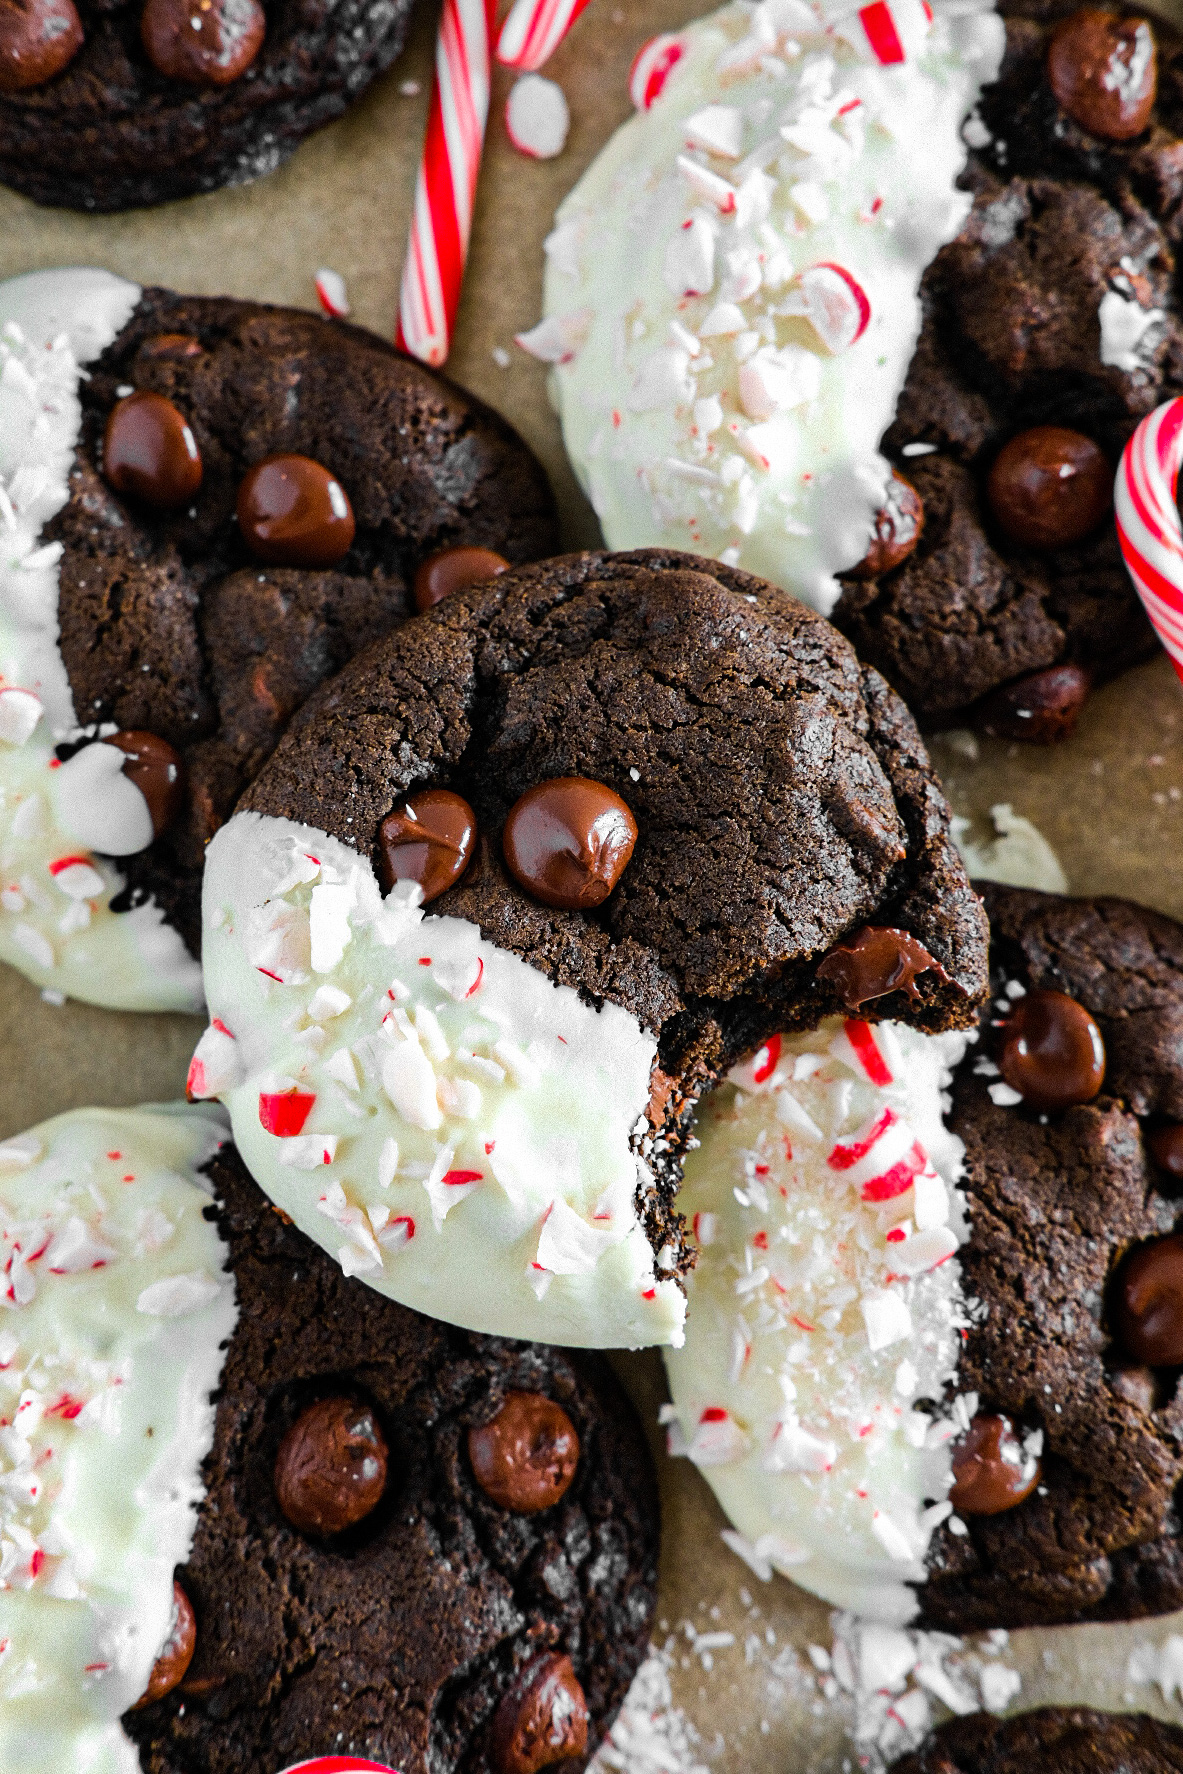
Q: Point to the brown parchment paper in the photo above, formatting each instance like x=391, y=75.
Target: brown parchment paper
x=1110, y=801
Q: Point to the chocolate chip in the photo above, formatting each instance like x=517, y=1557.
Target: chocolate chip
x=1103, y=70
x=177, y=1652
x=526, y=1457
x=202, y=42
x=568, y=841
x=1166, y=1148
x=451, y=570
x=330, y=1471
x=38, y=38
x=293, y=513
x=1148, y=1308
x=1041, y=709
x=899, y=525
x=170, y=346
x=542, y=1719
x=1050, y=487
x=157, y=771
x=150, y=452
x=429, y=839
x=1051, y=1051
x=990, y=1470
x=875, y=961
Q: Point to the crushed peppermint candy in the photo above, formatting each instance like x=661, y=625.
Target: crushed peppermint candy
x=537, y=117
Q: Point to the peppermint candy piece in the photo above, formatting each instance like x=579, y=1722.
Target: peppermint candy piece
x=339, y=1765
x=215, y=1065
x=1148, y=525
x=331, y=293
x=537, y=117
x=886, y=31
x=834, y=303
x=20, y=711
x=655, y=62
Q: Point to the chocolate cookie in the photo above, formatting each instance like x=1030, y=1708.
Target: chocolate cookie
x=421, y=1632
x=232, y=502
x=1072, y=1258
x=692, y=817
x=337, y=1528
x=1073, y=1740
x=1051, y=327
x=109, y=106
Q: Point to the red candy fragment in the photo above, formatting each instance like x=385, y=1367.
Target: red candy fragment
x=284, y=1112
x=655, y=61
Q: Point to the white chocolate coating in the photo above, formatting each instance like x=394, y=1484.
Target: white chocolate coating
x=56, y=925
x=826, y=1302
x=469, y=1146
x=700, y=289
x=118, y=1305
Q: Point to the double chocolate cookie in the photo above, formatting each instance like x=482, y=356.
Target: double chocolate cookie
x=416, y=1545
x=1075, y=1266
x=657, y=809
x=1051, y=327
x=1072, y=1740
x=235, y=502
x=110, y=106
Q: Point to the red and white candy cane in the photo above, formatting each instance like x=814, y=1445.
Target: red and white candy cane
x=445, y=191
x=1148, y=524
x=534, y=30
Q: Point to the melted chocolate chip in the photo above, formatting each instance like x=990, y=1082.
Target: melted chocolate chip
x=1050, y=487
x=990, y=1471
x=177, y=1652
x=568, y=841
x=157, y=771
x=452, y=569
x=1103, y=70
x=202, y=42
x=38, y=38
x=526, y=1457
x=542, y=1719
x=1148, y=1307
x=171, y=346
x=898, y=528
x=875, y=961
x=1041, y=709
x=150, y=452
x=330, y=1471
x=1166, y=1148
x=429, y=839
x=293, y=513
x=1051, y=1051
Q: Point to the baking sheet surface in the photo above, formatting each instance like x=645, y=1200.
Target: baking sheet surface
x=1110, y=802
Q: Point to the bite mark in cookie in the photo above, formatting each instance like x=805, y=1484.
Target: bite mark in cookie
x=230, y=503
x=495, y=1095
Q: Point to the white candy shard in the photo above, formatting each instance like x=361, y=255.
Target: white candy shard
x=20, y=711
x=559, y=338
x=176, y=1296
x=537, y=117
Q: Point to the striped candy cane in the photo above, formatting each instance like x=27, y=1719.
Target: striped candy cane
x=441, y=225
x=339, y=1765
x=1148, y=525
x=534, y=30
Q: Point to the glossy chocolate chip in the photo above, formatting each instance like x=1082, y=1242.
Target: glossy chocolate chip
x=875, y=961
x=1166, y=1148
x=452, y=569
x=1103, y=70
x=202, y=42
x=542, y=1719
x=568, y=841
x=526, y=1457
x=990, y=1470
x=150, y=452
x=899, y=525
x=330, y=1471
x=1051, y=1051
x=1041, y=709
x=38, y=38
x=294, y=513
x=177, y=1652
x=1148, y=1308
x=1050, y=487
x=157, y=771
x=429, y=839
